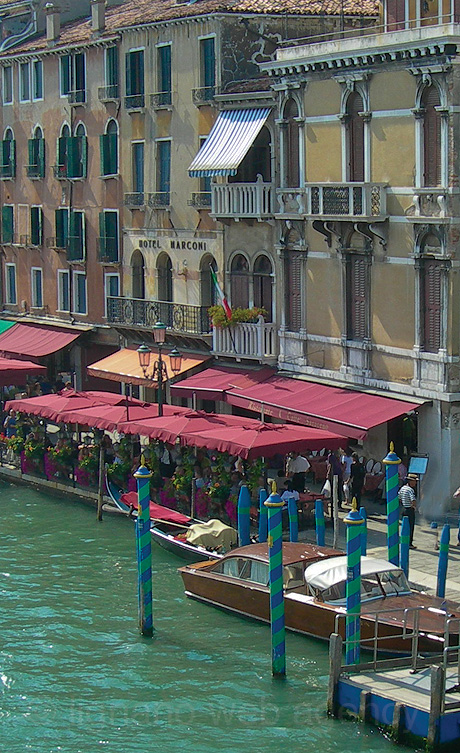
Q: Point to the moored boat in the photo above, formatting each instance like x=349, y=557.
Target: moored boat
x=314, y=582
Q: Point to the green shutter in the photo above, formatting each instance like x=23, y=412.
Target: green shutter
x=111, y=234
x=31, y=150
x=5, y=155
x=62, y=227
x=41, y=157
x=77, y=157
x=112, y=139
x=128, y=74
x=7, y=224
x=84, y=155
x=75, y=246
x=36, y=225
x=102, y=237
x=112, y=67
x=13, y=158
x=102, y=153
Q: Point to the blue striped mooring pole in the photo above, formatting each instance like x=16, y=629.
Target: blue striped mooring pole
x=144, y=550
x=443, y=560
x=244, y=504
x=404, y=548
x=391, y=463
x=274, y=504
x=319, y=523
x=263, y=516
x=353, y=522
x=293, y=519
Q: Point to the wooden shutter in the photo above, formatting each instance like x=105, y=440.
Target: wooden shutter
x=61, y=218
x=431, y=138
x=36, y=226
x=7, y=224
x=431, y=302
x=164, y=166
x=40, y=157
x=31, y=148
x=129, y=86
x=456, y=18
x=294, y=292
x=208, y=62
x=164, y=59
x=358, y=298
x=112, y=67
x=355, y=138
x=63, y=144
x=108, y=232
x=75, y=250
x=396, y=14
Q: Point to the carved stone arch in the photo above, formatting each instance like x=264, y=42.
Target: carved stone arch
x=430, y=240
x=297, y=96
x=352, y=86
x=425, y=80
x=239, y=270
x=35, y=131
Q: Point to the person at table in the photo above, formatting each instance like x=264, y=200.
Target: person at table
x=357, y=475
x=297, y=468
x=334, y=468
x=289, y=492
x=408, y=500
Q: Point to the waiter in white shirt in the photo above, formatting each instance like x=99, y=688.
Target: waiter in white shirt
x=298, y=466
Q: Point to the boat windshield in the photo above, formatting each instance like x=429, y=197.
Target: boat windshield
x=373, y=586
x=243, y=569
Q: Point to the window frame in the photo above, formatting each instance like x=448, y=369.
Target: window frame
x=35, y=303
x=39, y=215
x=22, y=98
x=107, y=277
x=11, y=266
x=8, y=242
x=115, y=212
x=77, y=275
x=63, y=274
x=81, y=212
x=4, y=87
x=34, y=79
x=165, y=93
x=68, y=58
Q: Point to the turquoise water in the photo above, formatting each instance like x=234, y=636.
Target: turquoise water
x=76, y=676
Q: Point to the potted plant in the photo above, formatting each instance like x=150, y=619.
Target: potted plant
x=239, y=316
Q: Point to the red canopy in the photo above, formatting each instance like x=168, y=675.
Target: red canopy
x=16, y=372
x=173, y=427
x=157, y=512
x=51, y=406
x=111, y=417
x=213, y=383
x=265, y=440
x=349, y=412
x=30, y=340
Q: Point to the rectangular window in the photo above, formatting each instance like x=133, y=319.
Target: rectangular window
x=76, y=239
x=357, y=297
x=108, y=236
x=37, y=287
x=208, y=66
x=7, y=85
x=61, y=219
x=63, y=285
x=10, y=273
x=138, y=166
x=37, y=79
x=7, y=224
x=78, y=78
x=294, y=292
x=111, y=72
x=64, y=77
x=164, y=74
x=431, y=302
x=36, y=226
x=79, y=293
x=134, y=62
x=112, y=288
x=24, y=82
x=164, y=171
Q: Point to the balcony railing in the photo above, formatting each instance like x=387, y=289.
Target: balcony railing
x=60, y=172
x=7, y=171
x=135, y=101
x=257, y=341
x=204, y=95
x=334, y=201
x=56, y=243
x=135, y=200
x=243, y=199
x=159, y=200
x=75, y=248
x=77, y=97
x=35, y=171
x=160, y=100
x=181, y=317
x=107, y=250
x=200, y=200
x=109, y=93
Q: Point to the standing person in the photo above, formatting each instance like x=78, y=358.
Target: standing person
x=346, y=461
x=408, y=501
x=334, y=468
x=357, y=475
x=10, y=424
x=298, y=467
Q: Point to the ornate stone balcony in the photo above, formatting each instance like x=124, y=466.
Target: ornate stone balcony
x=243, y=200
x=257, y=342
x=333, y=201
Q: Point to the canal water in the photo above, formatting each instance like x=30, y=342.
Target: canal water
x=77, y=677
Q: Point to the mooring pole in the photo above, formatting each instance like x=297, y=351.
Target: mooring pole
x=363, y=513
x=100, y=485
x=442, y=561
x=263, y=516
x=293, y=519
x=405, y=540
x=391, y=463
x=244, y=504
x=353, y=522
x=335, y=510
x=144, y=549
x=274, y=504
x=319, y=523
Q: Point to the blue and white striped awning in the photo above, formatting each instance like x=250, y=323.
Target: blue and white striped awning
x=231, y=136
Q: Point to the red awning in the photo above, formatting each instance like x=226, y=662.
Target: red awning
x=347, y=412
x=32, y=341
x=52, y=406
x=16, y=372
x=212, y=384
x=171, y=428
x=256, y=440
x=111, y=417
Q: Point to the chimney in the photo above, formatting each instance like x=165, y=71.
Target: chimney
x=97, y=16
x=53, y=23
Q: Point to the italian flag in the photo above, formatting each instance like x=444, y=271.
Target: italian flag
x=221, y=294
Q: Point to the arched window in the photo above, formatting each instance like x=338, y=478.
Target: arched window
x=109, y=149
x=240, y=282
x=38, y=133
x=63, y=151
x=138, y=275
x=8, y=155
x=355, y=134
x=291, y=152
x=263, y=296
x=36, y=145
x=431, y=137
x=9, y=135
x=165, y=283
x=207, y=287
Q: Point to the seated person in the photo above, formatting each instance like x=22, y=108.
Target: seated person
x=289, y=492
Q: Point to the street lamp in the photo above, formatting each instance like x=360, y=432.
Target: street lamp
x=159, y=371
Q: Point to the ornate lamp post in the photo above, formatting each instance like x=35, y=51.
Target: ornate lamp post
x=160, y=371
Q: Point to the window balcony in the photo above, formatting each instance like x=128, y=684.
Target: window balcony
x=135, y=200
x=58, y=244
x=29, y=240
x=178, y=317
x=429, y=203
x=243, y=200
x=35, y=171
x=200, y=200
x=161, y=100
x=60, y=172
x=107, y=250
x=159, y=200
x=77, y=97
x=334, y=201
x=135, y=102
x=109, y=93
x=7, y=171
x=257, y=342
x=204, y=95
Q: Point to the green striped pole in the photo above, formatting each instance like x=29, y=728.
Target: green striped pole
x=354, y=523
x=275, y=558
x=391, y=463
x=319, y=523
x=144, y=549
x=263, y=516
x=443, y=560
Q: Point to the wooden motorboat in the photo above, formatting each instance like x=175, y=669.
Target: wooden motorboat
x=315, y=581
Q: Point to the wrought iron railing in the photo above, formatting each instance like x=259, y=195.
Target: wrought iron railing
x=60, y=172
x=108, y=93
x=161, y=99
x=135, y=200
x=107, y=250
x=204, y=95
x=200, y=200
x=7, y=171
x=35, y=171
x=334, y=200
x=159, y=200
x=57, y=243
x=134, y=101
x=77, y=97
x=180, y=317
